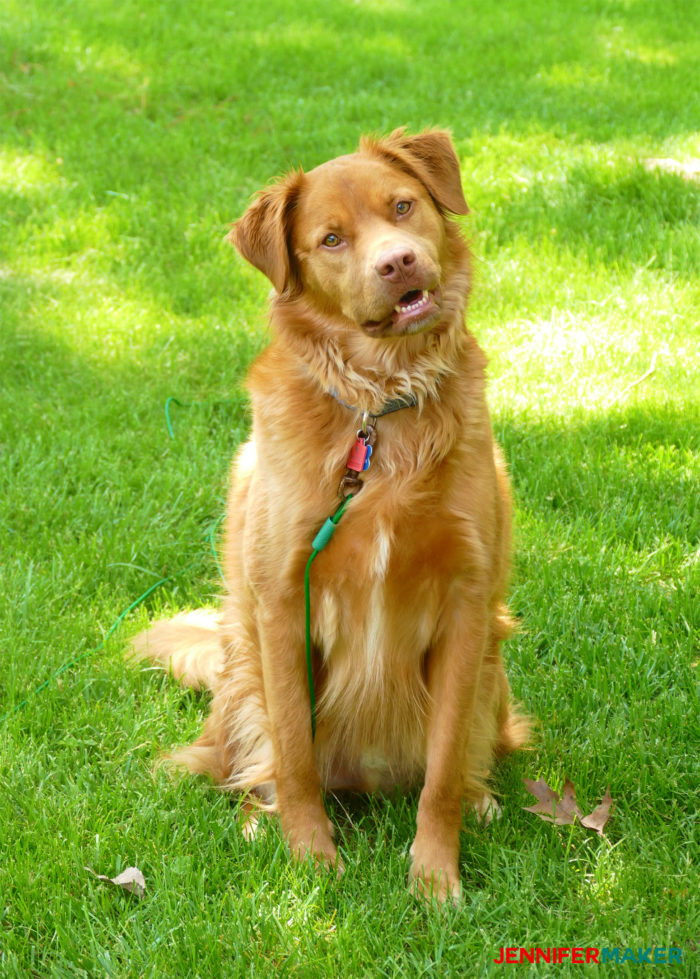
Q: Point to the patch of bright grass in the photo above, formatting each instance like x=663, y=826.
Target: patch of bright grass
x=131, y=136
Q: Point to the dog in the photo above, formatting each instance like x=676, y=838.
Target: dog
x=372, y=392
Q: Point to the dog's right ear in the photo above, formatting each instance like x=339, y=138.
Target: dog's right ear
x=430, y=156
x=262, y=235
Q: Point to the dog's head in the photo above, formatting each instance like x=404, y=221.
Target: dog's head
x=364, y=236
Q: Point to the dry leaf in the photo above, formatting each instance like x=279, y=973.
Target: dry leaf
x=568, y=805
x=549, y=804
x=563, y=810
x=541, y=790
x=131, y=880
x=600, y=815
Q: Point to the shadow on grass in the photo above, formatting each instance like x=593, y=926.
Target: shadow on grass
x=629, y=474
x=188, y=113
x=625, y=217
x=591, y=71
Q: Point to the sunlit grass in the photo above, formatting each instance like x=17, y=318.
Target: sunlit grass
x=131, y=136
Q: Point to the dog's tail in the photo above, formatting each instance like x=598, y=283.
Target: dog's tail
x=515, y=732
x=188, y=646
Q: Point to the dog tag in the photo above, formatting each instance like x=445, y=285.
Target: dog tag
x=367, y=460
x=359, y=456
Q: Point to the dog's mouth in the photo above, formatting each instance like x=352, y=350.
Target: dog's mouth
x=414, y=312
x=415, y=301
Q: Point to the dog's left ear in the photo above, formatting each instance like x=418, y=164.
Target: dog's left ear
x=262, y=234
x=430, y=156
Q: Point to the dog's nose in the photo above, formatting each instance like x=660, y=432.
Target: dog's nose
x=395, y=264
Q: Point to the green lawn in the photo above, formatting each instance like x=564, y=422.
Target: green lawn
x=131, y=134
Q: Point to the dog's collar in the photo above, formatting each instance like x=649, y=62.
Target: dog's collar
x=396, y=404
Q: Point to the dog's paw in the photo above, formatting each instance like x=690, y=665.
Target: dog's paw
x=322, y=853
x=250, y=826
x=434, y=876
x=316, y=843
x=253, y=817
x=487, y=809
x=439, y=885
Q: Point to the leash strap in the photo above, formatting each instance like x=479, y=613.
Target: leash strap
x=320, y=540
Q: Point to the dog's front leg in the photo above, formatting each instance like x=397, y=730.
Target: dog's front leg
x=454, y=669
x=305, y=825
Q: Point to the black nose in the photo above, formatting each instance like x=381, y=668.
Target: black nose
x=396, y=264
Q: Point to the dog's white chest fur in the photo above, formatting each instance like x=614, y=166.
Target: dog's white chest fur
x=373, y=698
x=382, y=552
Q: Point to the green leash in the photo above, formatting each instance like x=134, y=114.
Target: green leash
x=319, y=542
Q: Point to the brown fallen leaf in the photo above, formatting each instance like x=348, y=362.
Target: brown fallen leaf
x=600, y=815
x=541, y=790
x=563, y=810
x=555, y=809
x=547, y=798
x=568, y=802
x=131, y=880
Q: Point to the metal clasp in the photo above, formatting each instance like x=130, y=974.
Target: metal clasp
x=368, y=421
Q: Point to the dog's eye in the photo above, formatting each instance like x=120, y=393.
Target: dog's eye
x=403, y=207
x=331, y=241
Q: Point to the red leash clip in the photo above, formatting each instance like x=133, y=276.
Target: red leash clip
x=358, y=460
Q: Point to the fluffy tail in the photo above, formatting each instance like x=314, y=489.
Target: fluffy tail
x=514, y=733
x=187, y=646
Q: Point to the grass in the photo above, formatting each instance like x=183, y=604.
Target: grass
x=131, y=136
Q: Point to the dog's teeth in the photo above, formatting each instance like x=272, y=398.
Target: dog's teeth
x=412, y=307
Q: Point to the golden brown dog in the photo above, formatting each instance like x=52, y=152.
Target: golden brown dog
x=371, y=279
